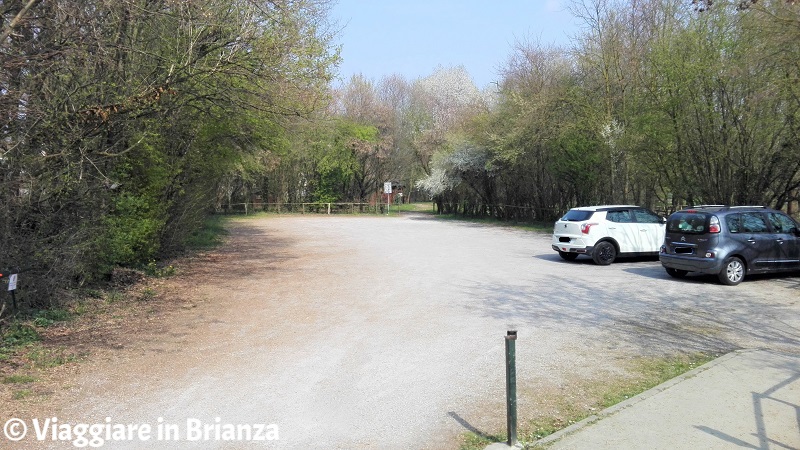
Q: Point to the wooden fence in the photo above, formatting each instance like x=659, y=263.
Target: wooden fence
x=304, y=208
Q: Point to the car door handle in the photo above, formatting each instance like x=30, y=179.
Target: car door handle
x=751, y=240
x=780, y=241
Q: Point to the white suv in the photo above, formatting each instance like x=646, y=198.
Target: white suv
x=605, y=232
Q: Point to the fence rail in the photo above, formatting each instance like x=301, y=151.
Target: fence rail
x=304, y=208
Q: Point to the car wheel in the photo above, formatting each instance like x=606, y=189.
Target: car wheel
x=604, y=253
x=568, y=256
x=732, y=272
x=676, y=273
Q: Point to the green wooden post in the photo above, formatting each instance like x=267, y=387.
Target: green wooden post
x=511, y=387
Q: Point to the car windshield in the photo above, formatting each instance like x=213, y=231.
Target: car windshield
x=577, y=215
x=690, y=223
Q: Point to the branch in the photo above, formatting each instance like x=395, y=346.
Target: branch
x=16, y=19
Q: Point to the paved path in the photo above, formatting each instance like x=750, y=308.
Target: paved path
x=747, y=399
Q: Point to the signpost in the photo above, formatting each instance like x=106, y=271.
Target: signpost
x=12, y=287
x=387, y=189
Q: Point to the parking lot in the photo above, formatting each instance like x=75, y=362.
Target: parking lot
x=375, y=332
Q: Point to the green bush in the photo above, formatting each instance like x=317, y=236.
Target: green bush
x=132, y=232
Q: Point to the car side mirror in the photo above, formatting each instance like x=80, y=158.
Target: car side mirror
x=663, y=220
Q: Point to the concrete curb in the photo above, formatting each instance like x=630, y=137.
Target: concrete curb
x=610, y=411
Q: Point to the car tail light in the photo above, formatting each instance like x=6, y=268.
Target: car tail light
x=586, y=227
x=713, y=225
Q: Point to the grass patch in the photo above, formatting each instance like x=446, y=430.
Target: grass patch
x=22, y=340
x=21, y=394
x=474, y=441
x=646, y=374
x=48, y=317
x=44, y=358
x=81, y=307
x=210, y=235
x=18, y=379
x=114, y=297
x=421, y=207
x=19, y=335
x=653, y=372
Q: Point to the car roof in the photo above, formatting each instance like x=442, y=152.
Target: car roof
x=604, y=207
x=724, y=208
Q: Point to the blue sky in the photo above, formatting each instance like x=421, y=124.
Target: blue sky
x=413, y=37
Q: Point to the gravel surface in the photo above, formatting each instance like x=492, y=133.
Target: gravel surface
x=375, y=332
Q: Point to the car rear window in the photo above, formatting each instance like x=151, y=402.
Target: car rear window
x=689, y=223
x=577, y=215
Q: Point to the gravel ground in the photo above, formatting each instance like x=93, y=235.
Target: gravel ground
x=375, y=332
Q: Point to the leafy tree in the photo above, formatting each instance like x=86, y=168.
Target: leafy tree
x=120, y=120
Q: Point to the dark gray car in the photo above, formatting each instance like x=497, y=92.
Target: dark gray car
x=730, y=242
